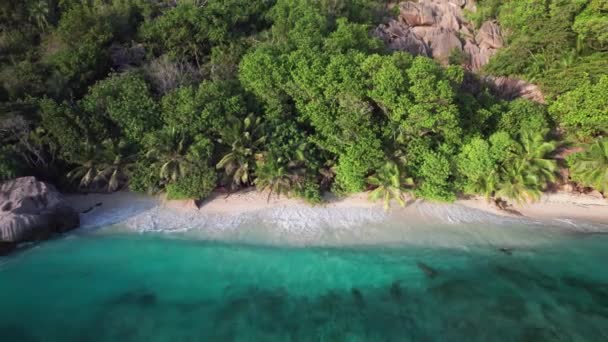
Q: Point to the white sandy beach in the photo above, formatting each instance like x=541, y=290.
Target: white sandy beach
x=553, y=206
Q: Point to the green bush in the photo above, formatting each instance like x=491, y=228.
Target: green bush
x=145, y=178
x=310, y=191
x=197, y=185
x=583, y=112
x=524, y=115
x=9, y=167
x=435, y=181
x=125, y=99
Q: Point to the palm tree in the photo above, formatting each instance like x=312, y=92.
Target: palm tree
x=275, y=178
x=535, y=150
x=107, y=168
x=528, y=169
x=244, y=137
x=171, y=150
x=38, y=13
x=591, y=166
x=519, y=184
x=486, y=185
x=390, y=184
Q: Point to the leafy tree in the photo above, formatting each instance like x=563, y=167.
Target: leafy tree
x=124, y=99
x=524, y=115
x=591, y=25
x=590, y=168
x=584, y=111
x=67, y=130
x=177, y=155
x=435, y=183
x=9, y=168
x=477, y=166
x=198, y=184
x=390, y=183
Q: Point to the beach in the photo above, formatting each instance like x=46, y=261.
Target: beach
x=551, y=206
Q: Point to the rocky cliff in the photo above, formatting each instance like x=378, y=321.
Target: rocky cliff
x=440, y=29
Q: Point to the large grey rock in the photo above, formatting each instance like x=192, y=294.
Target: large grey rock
x=31, y=210
x=437, y=28
x=510, y=88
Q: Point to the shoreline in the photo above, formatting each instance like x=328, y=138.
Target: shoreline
x=561, y=206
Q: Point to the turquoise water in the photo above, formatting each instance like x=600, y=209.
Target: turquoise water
x=96, y=286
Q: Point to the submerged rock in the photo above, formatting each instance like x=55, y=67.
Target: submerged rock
x=31, y=210
x=428, y=270
x=358, y=297
x=7, y=247
x=395, y=290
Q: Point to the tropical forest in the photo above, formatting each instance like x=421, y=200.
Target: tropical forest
x=303, y=97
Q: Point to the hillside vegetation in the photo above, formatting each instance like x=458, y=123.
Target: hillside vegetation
x=292, y=96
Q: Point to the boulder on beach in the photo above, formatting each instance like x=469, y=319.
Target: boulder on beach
x=31, y=210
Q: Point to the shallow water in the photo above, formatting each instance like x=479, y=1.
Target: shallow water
x=119, y=284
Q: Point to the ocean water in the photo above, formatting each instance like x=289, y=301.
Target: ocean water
x=466, y=277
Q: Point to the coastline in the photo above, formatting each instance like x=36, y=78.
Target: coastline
x=560, y=206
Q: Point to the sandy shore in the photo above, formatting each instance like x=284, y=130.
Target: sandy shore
x=554, y=206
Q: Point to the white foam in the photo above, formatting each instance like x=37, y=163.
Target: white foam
x=441, y=225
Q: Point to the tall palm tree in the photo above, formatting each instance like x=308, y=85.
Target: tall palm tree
x=107, y=169
x=518, y=183
x=486, y=185
x=390, y=182
x=591, y=167
x=528, y=169
x=170, y=150
x=38, y=11
x=535, y=151
x=245, y=137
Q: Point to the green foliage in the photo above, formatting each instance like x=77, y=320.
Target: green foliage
x=274, y=177
x=198, y=184
x=66, y=129
x=557, y=44
x=435, y=183
x=188, y=31
x=524, y=115
x=244, y=138
x=351, y=36
x=292, y=96
x=355, y=164
x=477, y=166
x=145, y=179
x=390, y=182
x=583, y=112
x=590, y=167
x=9, y=167
x=528, y=169
x=310, y=191
x=107, y=168
x=175, y=155
x=124, y=99
x=591, y=25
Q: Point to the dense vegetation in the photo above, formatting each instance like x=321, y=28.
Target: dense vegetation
x=292, y=97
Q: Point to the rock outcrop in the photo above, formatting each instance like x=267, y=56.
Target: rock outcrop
x=439, y=29
x=31, y=210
